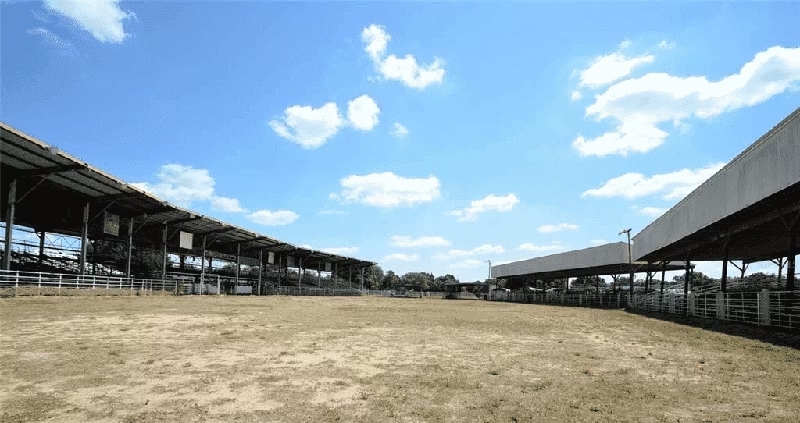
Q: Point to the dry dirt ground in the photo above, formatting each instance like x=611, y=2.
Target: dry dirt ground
x=198, y=359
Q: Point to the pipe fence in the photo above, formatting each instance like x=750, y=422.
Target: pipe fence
x=20, y=283
x=779, y=309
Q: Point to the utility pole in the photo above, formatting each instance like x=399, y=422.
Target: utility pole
x=630, y=256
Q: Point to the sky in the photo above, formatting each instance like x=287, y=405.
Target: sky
x=423, y=136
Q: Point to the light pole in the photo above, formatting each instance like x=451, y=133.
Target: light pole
x=630, y=256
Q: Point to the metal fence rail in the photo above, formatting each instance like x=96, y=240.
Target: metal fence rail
x=765, y=308
x=19, y=283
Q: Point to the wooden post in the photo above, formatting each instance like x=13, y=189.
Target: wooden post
x=130, y=251
x=723, y=283
x=238, y=267
x=663, y=275
x=260, y=268
x=164, y=254
x=41, y=247
x=791, y=259
x=203, y=265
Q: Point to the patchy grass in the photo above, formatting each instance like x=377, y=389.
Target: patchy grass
x=376, y=359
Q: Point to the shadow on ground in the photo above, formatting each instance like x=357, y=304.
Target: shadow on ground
x=774, y=336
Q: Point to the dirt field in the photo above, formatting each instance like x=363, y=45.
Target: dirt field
x=174, y=359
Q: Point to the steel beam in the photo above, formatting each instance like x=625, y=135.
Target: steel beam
x=10, y=210
x=130, y=249
x=203, y=264
x=84, y=239
x=164, y=253
x=663, y=275
x=260, y=268
x=238, y=269
x=46, y=171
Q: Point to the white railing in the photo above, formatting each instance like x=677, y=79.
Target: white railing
x=14, y=283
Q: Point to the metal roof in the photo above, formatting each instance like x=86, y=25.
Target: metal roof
x=747, y=200
x=53, y=188
x=607, y=259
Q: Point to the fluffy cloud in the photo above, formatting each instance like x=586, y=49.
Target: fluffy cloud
x=548, y=229
x=394, y=68
x=49, y=38
x=273, y=218
x=401, y=257
x=101, y=18
x=230, y=205
x=652, y=211
x=466, y=264
x=342, y=251
x=387, y=190
x=491, y=202
x=398, y=130
x=185, y=185
x=181, y=185
x=673, y=185
x=482, y=250
x=539, y=248
x=307, y=126
x=607, y=69
x=640, y=105
x=363, y=112
x=423, y=241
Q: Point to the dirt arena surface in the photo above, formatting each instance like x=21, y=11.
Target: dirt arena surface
x=312, y=359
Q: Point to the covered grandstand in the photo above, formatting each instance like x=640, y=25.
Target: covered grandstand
x=46, y=191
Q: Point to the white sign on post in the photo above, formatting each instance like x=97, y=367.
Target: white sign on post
x=327, y=267
x=271, y=257
x=187, y=239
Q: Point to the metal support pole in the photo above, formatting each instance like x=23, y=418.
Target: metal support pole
x=790, y=260
x=12, y=206
x=203, y=265
x=84, y=239
x=41, y=247
x=238, y=267
x=362, y=278
x=260, y=268
x=723, y=283
x=130, y=251
x=663, y=275
x=300, y=272
x=649, y=279
x=279, y=271
x=164, y=253
x=319, y=274
x=686, y=277
x=350, y=276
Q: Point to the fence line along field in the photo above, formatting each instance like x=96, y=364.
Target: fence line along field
x=153, y=359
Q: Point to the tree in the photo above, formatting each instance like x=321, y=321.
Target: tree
x=418, y=280
x=390, y=280
x=373, y=276
x=440, y=281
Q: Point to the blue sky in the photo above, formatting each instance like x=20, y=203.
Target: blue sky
x=426, y=137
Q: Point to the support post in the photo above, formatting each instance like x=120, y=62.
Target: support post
x=686, y=277
x=164, y=254
x=790, y=260
x=11, y=208
x=723, y=283
x=648, y=281
x=129, y=254
x=260, y=268
x=350, y=276
x=362, y=278
x=319, y=274
x=279, y=271
x=333, y=275
x=203, y=264
x=300, y=272
x=84, y=239
x=238, y=267
x=41, y=247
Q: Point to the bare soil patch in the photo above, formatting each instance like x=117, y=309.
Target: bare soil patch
x=166, y=359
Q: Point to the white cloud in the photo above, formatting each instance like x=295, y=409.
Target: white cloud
x=626, y=43
x=363, y=112
x=548, y=229
x=101, y=18
x=482, y=250
x=307, y=126
x=640, y=105
x=328, y=212
x=181, y=185
x=401, y=257
x=491, y=202
x=665, y=45
x=598, y=242
x=387, y=190
x=423, y=241
x=230, y=205
x=393, y=68
x=466, y=264
x=652, y=211
x=398, y=130
x=63, y=46
x=576, y=95
x=539, y=248
x=342, y=251
x=673, y=185
x=273, y=218
x=607, y=69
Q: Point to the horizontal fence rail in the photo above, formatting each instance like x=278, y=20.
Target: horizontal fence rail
x=765, y=308
x=19, y=283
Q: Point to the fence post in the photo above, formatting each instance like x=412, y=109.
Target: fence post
x=672, y=302
x=763, y=308
x=16, y=283
x=218, y=290
x=59, y=284
x=40, y=284
x=94, y=281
